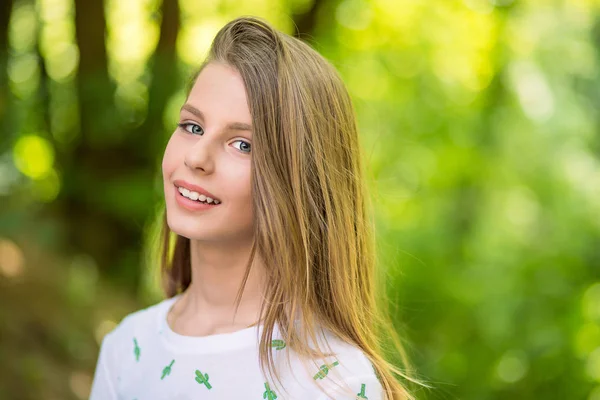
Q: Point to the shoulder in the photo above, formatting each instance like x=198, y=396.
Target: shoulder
x=136, y=325
x=345, y=374
x=352, y=360
x=354, y=376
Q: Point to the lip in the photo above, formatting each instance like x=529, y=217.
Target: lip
x=191, y=205
x=194, y=188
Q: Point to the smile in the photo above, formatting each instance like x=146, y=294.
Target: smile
x=195, y=196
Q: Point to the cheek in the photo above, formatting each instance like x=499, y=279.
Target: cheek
x=243, y=178
x=169, y=161
x=236, y=181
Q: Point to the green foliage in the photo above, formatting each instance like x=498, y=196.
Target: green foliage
x=480, y=134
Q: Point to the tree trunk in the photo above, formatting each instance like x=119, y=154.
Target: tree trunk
x=307, y=21
x=108, y=153
x=165, y=80
x=5, y=12
x=96, y=158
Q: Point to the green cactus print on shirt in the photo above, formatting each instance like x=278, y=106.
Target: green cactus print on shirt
x=324, y=370
x=362, y=395
x=268, y=393
x=202, y=379
x=278, y=344
x=376, y=373
x=167, y=370
x=136, y=350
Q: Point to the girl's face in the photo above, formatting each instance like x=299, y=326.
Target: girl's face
x=210, y=149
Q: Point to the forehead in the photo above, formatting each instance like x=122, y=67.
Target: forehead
x=220, y=94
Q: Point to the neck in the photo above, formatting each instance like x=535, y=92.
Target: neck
x=217, y=275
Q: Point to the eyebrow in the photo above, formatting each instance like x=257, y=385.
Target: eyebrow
x=237, y=126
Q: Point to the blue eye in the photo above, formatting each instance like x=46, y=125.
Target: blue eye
x=194, y=129
x=247, y=146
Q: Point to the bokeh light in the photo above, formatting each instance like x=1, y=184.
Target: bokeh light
x=479, y=126
x=33, y=156
x=12, y=260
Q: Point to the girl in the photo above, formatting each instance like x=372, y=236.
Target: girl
x=267, y=247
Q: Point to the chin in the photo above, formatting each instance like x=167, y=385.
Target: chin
x=187, y=229
x=205, y=230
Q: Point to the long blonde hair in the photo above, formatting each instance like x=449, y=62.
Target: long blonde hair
x=313, y=226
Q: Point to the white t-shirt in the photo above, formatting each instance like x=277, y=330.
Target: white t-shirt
x=144, y=359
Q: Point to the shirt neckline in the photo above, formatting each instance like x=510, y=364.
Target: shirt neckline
x=216, y=343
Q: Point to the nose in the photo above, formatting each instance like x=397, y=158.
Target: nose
x=199, y=156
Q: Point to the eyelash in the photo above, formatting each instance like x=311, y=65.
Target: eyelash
x=185, y=125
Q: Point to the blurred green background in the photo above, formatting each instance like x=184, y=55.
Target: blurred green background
x=481, y=128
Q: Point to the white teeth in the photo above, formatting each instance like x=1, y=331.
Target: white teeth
x=196, y=196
